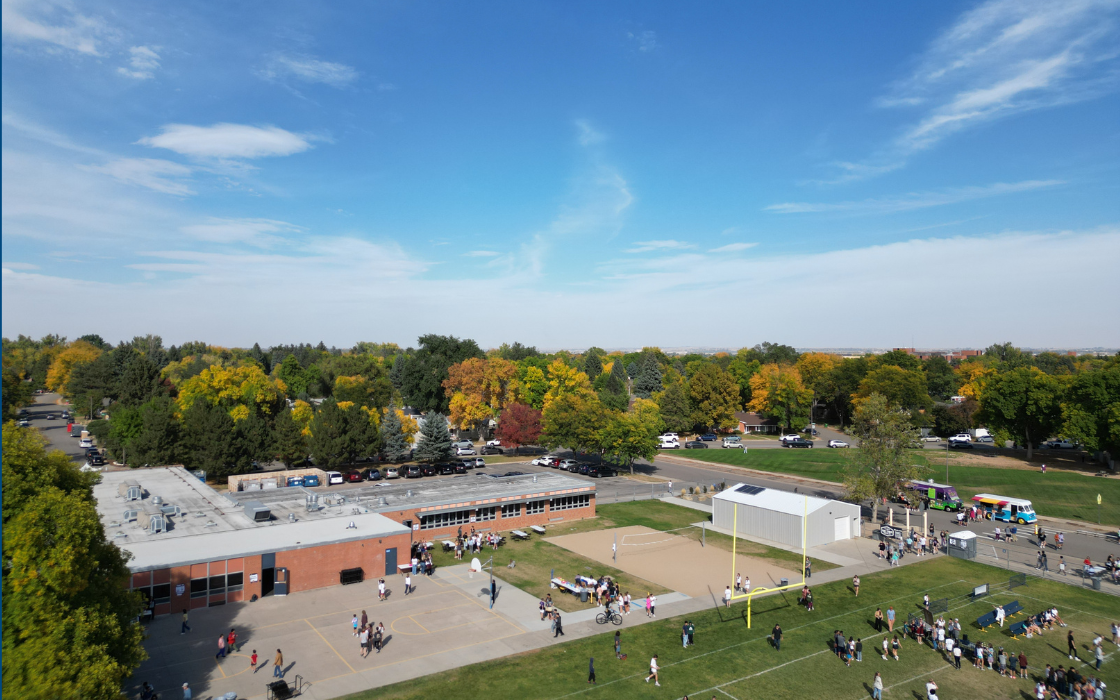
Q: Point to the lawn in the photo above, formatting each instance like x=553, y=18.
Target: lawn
x=730, y=660
x=1057, y=493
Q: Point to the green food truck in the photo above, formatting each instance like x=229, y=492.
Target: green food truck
x=937, y=496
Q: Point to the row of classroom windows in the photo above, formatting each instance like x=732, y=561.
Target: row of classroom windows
x=462, y=517
x=200, y=588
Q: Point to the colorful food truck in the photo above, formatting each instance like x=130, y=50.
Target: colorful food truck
x=1009, y=510
x=937, y=496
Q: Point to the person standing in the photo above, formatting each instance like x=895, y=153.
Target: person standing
x=378, y=636
x=278, y=665
x=1099, y=653
x=808, y=567
x=776, y=635
x=653, y=606
x=407, y=583
x=890, y=619
x=746, y=585
x=354, y=624
x=231, y=641
x=381, y=589
x=691, y=633
x=931, y=690
x=1062, y=565
x=653, y=669
x=221, y=647
x=618, y=645
x=591, y=671
x=187, y=695
x=684, y=634
x=1000, y=615
x=738, y=583
x=185, y=628
x=1022, y=665
x=859, y=650
x=363, y=642
x=855, y=584
x=647, y=604
x=559, y=626
x=1071, y=645
x=253, y=661
x=878, y=619
x=727, y=597
x=957, y=656
x=877, y=687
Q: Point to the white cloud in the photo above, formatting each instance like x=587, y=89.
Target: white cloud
x=646, y=246
x=732, y=247
x=228, y=141
x=481, y=254
x=159, y=175
x=20, y=266
x=308, y=69
x=38, y=132
x=257, y=232
x=54, y=23
x=142, y=65
x=646, y=40
x=914, y=200
x=587, y=134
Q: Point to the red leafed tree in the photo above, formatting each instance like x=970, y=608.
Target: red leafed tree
x=519, y=425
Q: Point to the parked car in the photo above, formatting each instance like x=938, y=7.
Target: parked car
x=543, y=461
x=446, y=468
x=462, y=443
x=1059, y=444
x=428, y=470
x=493, y=450
x=51, y=416
x=467, y=463
x=696, y=445
x=464, y=451
x=837, y=443
x=479, y=463
x=669, y=445
x=392, y=473
x=931, y=438
x=459, y=468
x=66, y=415
x=986, y=439
x=353, y=476
x=732, y=441
x=601, y=470
x=566, y=464
x=960, y=437
x=413, y=471
x=493, y=443
x=960, y=445
x=372, y=474
x=798, y=442
x=24, y=423
x=708, y=437
x=95, y=459
x=334, y=478
x=311, y=480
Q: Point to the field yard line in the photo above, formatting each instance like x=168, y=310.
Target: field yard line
x=923, y=675
x=727, y=694
x=748, y=641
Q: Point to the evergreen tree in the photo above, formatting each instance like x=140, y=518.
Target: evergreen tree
x=139, y=382
x=678, y=366
x=632, y=369
x=435, y=439
x=617, y=381
x=649, y=378
x=289, y=444
x=396, y=375
x=592, y=365
x=676, y=410
x=395, y=446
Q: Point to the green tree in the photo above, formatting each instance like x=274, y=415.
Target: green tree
x=674, y=407
x=139, y=382
x=209, y=441
x=396, y=375
x=69, y=627
x=742, y=371
x=592, y=364
x=289, y=443
x=633, y=435
x=899, y=358
x=949, y=420
x=434, y=444
x=903, y=388
x=1091, y=409
x=1025, y=402
x=90, y=382
x=293, y=376
x=770, y=353
x=340, y=433
x=156, y=440
x=17, y=393
x=573, y=421
x=427, y=368
x=394, y=445
x=649, y=378
x=715, y=397
x=941, y=380
x=883, y=460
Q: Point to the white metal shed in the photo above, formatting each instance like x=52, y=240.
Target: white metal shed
x=770, y=514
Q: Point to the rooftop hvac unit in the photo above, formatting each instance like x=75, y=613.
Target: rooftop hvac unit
x=257, y=511
x=152, y=520
x=130, y=515
x=250, y=486
x=169, y=510
x=312, y=502
x=268, y=484
x=130, y=490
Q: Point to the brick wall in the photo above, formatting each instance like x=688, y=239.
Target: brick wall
x=498, y=524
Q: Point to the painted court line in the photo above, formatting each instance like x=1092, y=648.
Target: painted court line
x=329, y=646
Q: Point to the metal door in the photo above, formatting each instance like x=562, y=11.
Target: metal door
x=280, y=587
x=841, y=530
x=390, y=561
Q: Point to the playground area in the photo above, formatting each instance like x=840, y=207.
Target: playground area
x=674, y=559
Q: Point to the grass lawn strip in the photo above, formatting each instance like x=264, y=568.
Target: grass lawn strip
x=560, y=671
x=1057, y=493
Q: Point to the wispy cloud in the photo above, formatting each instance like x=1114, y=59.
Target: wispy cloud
x=647, y=246
x=307, y=69
x=54, y=23
x=159, y=175
x=914, y=200
x=732, y=247
x=256, y=232
x=588, y=135
x=645, y=40
x=38, y=132
x=481, y=254
x=142, y=65
x=20, y=266
x=228, y=141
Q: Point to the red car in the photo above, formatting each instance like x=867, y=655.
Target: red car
x=353, y=476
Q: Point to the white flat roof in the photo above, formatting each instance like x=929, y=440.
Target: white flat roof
x=772, y=499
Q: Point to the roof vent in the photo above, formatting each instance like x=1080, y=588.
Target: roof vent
x=534, y=478
x=157, y=500
x=381, y=501
x=130, y=490
x=257, y=511
x=153, y=520
x=291, y=517
x=408, y=493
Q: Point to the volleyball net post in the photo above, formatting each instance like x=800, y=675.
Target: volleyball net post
x=762, y=589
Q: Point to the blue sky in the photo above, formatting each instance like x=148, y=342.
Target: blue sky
x=564, y=174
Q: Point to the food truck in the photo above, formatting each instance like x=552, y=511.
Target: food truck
x=1009, y=510
x=937, y=496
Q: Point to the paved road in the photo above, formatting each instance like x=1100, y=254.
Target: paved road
x=54, y=430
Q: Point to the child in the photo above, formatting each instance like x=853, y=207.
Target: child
x=253, y=661
x=354, y=624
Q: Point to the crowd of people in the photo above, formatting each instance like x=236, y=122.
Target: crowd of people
x=473, y=542
x=370, y=636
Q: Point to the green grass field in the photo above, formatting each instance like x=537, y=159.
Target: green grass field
x=1058, y=493
x=729, y=660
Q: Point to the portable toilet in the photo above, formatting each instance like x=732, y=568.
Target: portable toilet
x=962, y=544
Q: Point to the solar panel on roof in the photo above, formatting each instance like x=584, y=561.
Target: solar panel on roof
x=751, y=490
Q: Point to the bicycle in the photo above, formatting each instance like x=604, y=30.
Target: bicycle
x=608, y=616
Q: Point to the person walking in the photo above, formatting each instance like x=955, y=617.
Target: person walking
x=653, y=606
x=591, y=671
x=363, y=642
x=354, y=624
x=231, y=641
x=253, y=661
x=855, y=584
x=559, y=626
x=378, y=636
x=808, y=567
x=1099, y=654
x=647, y=604
x=278, y=665
x=653, y=669
x=877, y=687
x=957, y=656
x=1071, y=645
x=890, y=619
x=727, y=597
x=776, y=636
x=407, y=583
x=1062, y=565
x=221, y=647
x=185, y=628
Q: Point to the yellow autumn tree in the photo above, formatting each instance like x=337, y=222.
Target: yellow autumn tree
x=564, y=381
x=481, y=389
x=778, y=391
x=237, y=389
x=76, y=353
x=302, y=413
x=972, y=375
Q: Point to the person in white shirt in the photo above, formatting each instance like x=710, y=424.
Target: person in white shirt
x=653, y=607
x=381, y=589
x=1000, y=615
x=407, y=583
x=931, y=690
x=653, y=669
x=738, y=582
x=747, y=585
x=727, y=597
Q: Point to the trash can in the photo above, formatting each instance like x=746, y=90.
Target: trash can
x=583, y=594
x=1096, y=582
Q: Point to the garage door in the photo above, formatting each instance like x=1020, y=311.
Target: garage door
x=841, y=530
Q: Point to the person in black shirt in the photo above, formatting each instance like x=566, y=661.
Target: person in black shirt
x=776, y=635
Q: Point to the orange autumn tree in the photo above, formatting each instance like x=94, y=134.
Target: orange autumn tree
x=480, y=389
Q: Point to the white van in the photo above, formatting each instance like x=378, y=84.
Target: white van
x=732, y=441
x=669, y=443
x=334, y=478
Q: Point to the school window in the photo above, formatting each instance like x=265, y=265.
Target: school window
x=217, y=585
x=569, y=502
x=448, y=519
x=161, y=593
x=198, y=588
x=481, y=514
x=534, y=507
x=511, y=511
x=234, y=582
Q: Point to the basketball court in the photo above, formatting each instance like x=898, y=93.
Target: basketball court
x=676, y=561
